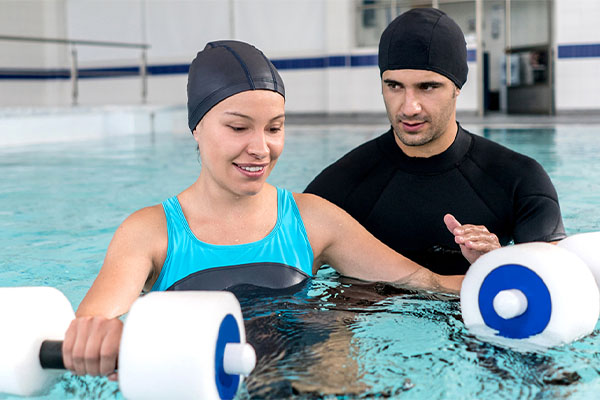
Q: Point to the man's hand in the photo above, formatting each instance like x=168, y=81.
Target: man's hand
x=474, y=240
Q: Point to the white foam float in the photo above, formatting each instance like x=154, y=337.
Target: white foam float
x=184, y=345
x=536, y=293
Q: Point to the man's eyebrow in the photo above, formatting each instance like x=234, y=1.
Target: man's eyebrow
x=431, y=83
x=423, y=83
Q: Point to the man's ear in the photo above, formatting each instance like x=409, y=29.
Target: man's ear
x=456, y=91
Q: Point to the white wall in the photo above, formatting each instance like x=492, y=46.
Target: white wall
x=577, y=79
x=283, y=29
x=40, y=19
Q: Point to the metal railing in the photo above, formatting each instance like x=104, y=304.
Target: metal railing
x=74, y=72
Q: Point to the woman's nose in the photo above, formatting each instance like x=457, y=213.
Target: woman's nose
x=258, y=145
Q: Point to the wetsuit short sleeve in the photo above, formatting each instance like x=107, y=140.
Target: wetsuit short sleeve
x=338, y=182
x=536, y=207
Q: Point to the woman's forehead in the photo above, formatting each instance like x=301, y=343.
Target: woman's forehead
x=262, y=102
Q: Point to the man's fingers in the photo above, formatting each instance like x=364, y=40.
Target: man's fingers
x=451, y=222
x=479, y=246
x=479, y=242
x=474, y=228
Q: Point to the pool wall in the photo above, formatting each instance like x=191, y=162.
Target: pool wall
x=25, y=126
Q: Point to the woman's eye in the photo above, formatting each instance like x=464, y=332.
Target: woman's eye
x=275, y=129
x=237, y=128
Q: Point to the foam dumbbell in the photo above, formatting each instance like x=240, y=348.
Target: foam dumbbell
x=174, y=344
x=585, y=245
x=535, y=292
x=184, y=345
x=29, y=316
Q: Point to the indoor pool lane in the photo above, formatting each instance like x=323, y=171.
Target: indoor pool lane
x=334, y=339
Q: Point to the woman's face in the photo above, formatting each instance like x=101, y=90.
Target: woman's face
x=240, y=140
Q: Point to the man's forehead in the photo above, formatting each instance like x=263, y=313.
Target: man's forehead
x=414, y=76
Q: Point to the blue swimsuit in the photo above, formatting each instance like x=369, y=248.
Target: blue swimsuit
x=281, y=259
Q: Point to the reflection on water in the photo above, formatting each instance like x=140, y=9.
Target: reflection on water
x=334, y=338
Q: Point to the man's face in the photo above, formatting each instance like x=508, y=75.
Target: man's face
x=421, y=106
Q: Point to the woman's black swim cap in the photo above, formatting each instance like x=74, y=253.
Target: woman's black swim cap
x=225, y=68
x=425, y=38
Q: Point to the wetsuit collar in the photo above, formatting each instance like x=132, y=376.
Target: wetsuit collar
x=426, y=165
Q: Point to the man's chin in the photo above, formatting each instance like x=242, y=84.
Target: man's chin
x=412, y=139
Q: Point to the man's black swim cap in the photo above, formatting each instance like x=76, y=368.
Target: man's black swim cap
x=225, y=68
x=425, y=38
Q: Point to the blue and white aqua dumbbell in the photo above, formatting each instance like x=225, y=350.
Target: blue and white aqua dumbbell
x=536, y=293
x=184, y=345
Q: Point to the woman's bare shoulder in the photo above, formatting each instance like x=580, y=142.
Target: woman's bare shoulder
x=312, y=202
x=145, y=229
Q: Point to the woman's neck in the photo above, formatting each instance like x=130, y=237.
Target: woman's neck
x=219, y=216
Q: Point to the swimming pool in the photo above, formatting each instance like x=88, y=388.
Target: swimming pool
x=60, y=205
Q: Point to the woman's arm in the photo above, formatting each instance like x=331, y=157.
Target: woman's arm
x=133, y=260
x=136, y=251
x=340, y=241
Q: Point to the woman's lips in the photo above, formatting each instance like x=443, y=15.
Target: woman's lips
x=251, y=170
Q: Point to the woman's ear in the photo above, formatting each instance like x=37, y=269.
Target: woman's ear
x=196, y=131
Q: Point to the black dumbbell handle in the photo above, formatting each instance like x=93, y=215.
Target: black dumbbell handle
x=51, y=354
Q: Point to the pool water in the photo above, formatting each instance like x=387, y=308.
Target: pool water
x=334, y=338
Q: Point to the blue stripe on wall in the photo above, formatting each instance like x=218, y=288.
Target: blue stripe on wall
x=34, y=74
x=108, y=72
x=168, y=69
x=336, y=61
x=300, y=63
x=578, y=50
x=471, y=55
x=364, y=60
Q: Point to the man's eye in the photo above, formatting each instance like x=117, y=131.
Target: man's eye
x=429, y=87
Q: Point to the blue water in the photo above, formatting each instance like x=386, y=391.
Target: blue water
x=61, y=203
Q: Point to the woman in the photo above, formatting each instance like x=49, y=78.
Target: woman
x=230, y=227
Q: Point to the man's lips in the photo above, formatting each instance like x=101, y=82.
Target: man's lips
x=410, y=126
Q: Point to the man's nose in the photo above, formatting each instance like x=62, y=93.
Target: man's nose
x=411, y=105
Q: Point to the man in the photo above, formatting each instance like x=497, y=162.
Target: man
x=411, y=186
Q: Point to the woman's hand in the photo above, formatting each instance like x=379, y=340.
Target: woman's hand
x=91, y=346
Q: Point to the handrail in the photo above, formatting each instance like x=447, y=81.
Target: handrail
x=74, y=41
x=74, y=71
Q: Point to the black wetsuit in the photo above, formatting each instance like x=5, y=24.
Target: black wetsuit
x=402, y=200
